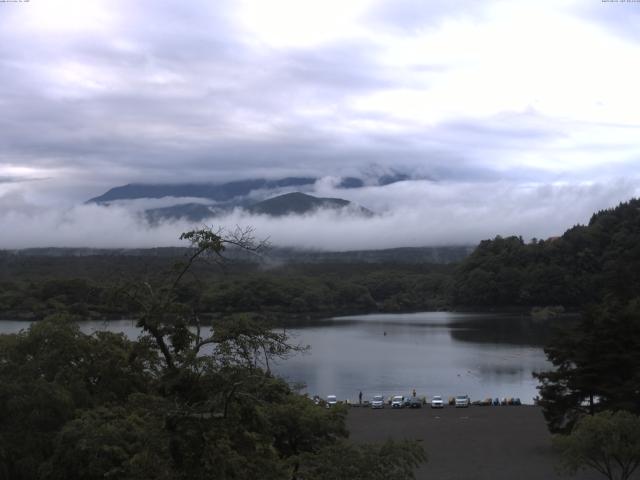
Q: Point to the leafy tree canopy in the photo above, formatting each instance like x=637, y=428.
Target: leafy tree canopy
x=596, y=365
x=183, y=401
x=606, y=442
x=582, y=266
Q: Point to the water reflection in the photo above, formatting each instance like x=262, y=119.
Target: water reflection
x=502, y=330
x=434, y=352
x=437, y=353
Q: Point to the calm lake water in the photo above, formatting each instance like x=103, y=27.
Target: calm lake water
x=437, y=353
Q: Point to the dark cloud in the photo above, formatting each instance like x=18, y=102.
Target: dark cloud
x=145, y=129
x=179, y=87
x=168, y=91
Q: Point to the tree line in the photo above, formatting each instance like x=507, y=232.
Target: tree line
x=296, y=291
x=584, y=265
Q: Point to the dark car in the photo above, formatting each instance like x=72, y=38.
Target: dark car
x=415, y=402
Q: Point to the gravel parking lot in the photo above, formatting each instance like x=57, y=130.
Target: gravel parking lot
x=476, y=443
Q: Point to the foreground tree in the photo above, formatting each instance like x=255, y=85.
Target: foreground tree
x=597, y=366
x=184, y=401
x=346, y=461
x=606, y=442
x=52, y=372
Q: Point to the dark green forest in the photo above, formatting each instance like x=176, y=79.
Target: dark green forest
x=582, y=266
x=36, y=286
x=173, y=413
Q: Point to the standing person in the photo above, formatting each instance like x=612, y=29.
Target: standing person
x=414, y=393
x=360, y=397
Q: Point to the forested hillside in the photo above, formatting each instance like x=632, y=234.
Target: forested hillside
x=578, y=268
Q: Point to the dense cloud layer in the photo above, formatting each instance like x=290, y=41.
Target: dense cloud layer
x=486, y=98
x=410, y=214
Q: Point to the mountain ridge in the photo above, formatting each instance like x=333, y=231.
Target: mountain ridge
x=220, y=192
x=294, y=203
x=227, y=191
x=298, y=203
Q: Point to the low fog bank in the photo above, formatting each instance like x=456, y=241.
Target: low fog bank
x=410, y=214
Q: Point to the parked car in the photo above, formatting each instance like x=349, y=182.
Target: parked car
x=462, y=401
x=437, y=402
x=415, y=402
x=407, y=402
x=397, y=401
x=331, y=400
x=377, y=401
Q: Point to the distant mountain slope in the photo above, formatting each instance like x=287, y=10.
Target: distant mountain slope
x=218, y=192
x=288, y=204
x=351, y=182
x=299, y=203
x=193, y=212
x=231, y=191
x=393, y=178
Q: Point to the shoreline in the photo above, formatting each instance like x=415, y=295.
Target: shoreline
x=289, y=319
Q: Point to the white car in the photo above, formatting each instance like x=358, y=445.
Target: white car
x=377, y=401
x=397, y=401
x=331, y=400
x=437, y=402
x=462, y=401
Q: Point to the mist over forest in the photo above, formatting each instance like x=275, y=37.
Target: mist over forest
x=409, y=213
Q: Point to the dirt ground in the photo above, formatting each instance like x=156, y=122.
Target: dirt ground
x=474, y=443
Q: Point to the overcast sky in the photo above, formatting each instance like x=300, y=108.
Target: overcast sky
x=525, y=115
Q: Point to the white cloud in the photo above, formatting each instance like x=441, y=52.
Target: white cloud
x=66, y=17
x=502, y=95
x=412, y=214
x=301, y=23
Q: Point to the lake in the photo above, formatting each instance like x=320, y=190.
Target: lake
x=437, y=353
